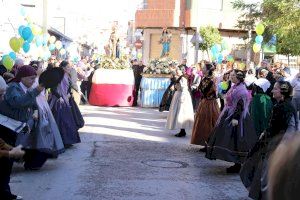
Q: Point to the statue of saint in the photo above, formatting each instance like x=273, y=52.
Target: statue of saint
x=165, y=40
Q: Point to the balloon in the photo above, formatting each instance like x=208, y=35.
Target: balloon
x=62, y=51
x=256, y=48
x=36, y=30
x=58, y=44
x=52, y=39
x=30, y=38
x=260, y=28
x=214, y=49
x=52, y=47
x=45, y=39
x=12, y=55
x=20, y=29
x=219, y=48
x=26, y=47
x=224, y=85
x=15, y=44
x=38, y=40
x=23, y=11
x=8, y=62
x=259, y=39
x=220, y=57
x=26, y=33
x=229, y=57
x=139, y=55
x=21, y=41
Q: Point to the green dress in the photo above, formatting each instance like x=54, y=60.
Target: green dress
x=261, y=109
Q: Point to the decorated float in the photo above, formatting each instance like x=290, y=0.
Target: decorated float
x=112, y=83
x=156, y=79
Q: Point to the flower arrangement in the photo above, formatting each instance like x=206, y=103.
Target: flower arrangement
x=160, y=66
x=107, y=62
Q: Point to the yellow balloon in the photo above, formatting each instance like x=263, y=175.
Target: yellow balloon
x=52, y=39
x=15, y=44
x=21, y=41
x=8, y=63
x=36, y=30
x=256, y=48
x=260, y=28
x=58, y=44
x=62, y=51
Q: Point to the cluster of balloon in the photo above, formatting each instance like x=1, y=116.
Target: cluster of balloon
x=259, y=29
x=220, y=51
x=29, y=35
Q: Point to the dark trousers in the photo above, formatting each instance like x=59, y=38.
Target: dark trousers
x=84, y=87
x=136, y=94
x=6, y=164
x=5, y=171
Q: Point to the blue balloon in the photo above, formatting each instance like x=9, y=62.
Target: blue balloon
x=26, y=47
x=26, y=33
x=12, y=55
x=29, y=40
x=4, y=56
x=220, y=58
x=23, y=11
x=39, y=40
x=214, y=49
x=20, y=29
x=259, y=39
x=52, y=47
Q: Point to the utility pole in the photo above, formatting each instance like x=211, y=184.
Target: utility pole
x=248, y=53
x=45, y=16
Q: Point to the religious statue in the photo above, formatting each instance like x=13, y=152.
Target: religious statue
x=165, y=40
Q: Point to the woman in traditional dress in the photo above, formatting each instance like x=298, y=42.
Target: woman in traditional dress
x=48, y=139
x=261, y=105
x=282, y=125
x=168, y=95
x=181, y=114
x=234, y=134
x=62, y=109
x=208, y=110
x=7, y=152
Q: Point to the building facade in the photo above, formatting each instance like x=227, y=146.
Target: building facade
x=183, y=18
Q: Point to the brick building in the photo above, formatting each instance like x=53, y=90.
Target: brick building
x=183, y=18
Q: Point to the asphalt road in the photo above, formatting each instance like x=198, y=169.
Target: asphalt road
x=126, y=153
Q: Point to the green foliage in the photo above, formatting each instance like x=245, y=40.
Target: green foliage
x=210, y=37
x=283, y=19
x=251, y=13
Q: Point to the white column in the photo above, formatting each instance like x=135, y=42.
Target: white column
x=45, y=16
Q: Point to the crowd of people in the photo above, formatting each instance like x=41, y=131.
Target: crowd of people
x=39, y=116
x=239, y=116
x=236, y=115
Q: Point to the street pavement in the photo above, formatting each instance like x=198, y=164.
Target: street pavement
x=126, y=153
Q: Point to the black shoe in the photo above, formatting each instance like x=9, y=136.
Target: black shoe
x=181, y=134
x=233, y=169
